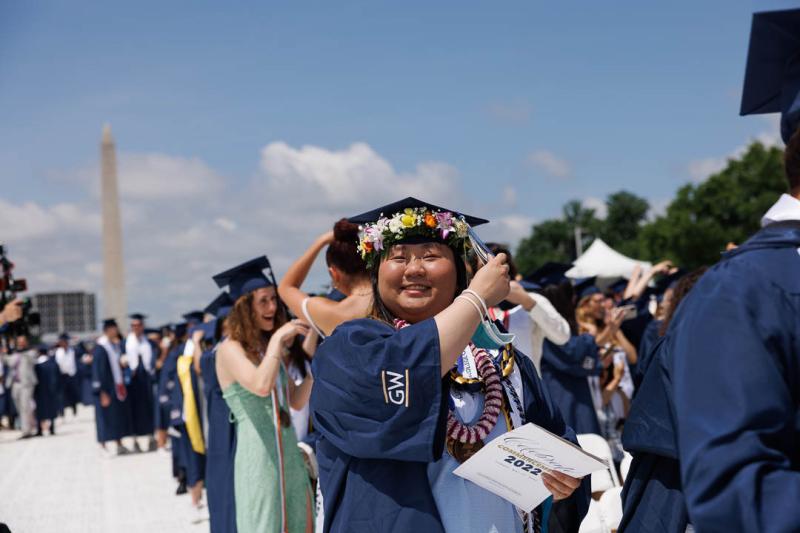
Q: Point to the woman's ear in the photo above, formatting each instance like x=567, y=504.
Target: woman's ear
x=336, y=276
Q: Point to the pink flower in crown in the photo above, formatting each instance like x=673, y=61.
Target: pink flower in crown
x=373, y=234
x=445, y=222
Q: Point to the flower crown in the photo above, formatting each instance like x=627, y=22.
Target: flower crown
x=377, y=237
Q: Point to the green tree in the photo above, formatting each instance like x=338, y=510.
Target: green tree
x=623, y=223
x=727, y=207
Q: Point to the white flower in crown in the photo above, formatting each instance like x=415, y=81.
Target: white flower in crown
x=461, y=228
x=395, y=225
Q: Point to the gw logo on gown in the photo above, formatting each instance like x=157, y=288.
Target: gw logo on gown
x=395, y=387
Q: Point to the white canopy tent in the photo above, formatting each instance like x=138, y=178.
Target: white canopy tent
x=604, y=262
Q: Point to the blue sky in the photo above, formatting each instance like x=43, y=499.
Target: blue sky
x=521, y=105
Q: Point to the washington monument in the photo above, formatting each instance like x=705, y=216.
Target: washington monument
x=115, y=304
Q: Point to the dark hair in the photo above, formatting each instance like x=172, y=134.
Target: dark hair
x=342, y=253
x=379, y=309
x=562, y=296
x=791, y=162
x=496, y=248
x=680, y=291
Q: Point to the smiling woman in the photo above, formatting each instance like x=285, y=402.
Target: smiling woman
x=271, y=485
x=403, y=397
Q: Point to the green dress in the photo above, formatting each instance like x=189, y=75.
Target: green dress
x=271, y=485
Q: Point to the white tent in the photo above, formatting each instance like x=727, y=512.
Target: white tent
x=604, y=262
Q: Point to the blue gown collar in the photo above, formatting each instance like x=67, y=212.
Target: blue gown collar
x=777, y=235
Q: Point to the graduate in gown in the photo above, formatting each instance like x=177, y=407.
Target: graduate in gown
x=70, y=375
x=46, y=394
x=728, y=362
x=221, y=441
x=271, y=480
x=141, y=354
x=399, y=399
x=565, y=369
x=112, y=410
x=186, y=409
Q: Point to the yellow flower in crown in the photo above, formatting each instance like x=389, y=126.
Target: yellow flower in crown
x=409, y=218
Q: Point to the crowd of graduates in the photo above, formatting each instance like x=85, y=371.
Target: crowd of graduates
x=350, y=410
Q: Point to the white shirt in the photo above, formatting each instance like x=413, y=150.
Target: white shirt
x=786, y=208
x=65, y=357
x=138, y=350
x=533, y=327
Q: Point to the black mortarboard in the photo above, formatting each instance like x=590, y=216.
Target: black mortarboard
x=152, y=331
x=772, y=78
x=193, y=316
x=585, y=287
x=64, y=336
x=550, y=273
x=530, y=286
x=220, y=306
x=668, y=281
x=109, y=322
x=246, y=278
x=137, y=316
x=180, y=329
x=618, y=286
x=396, y=207
x=167, y=327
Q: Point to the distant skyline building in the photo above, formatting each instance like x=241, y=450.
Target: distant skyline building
x=74, y=312
x=115, y=303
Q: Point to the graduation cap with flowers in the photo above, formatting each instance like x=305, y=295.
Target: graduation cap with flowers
x=411, y=221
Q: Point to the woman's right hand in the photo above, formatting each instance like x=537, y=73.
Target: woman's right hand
x=287, y=332
x=491, y=282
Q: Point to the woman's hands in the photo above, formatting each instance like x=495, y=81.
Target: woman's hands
x=518, y=295
x=560, y=485
x=491, y=282
x=285, y=336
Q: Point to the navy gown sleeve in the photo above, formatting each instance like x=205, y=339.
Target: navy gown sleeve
x=378, y=392
x=578, y=357
x=735, y=355
x=540, y=409
x=102, y=380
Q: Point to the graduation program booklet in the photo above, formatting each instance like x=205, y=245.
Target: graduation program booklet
x=511, y=465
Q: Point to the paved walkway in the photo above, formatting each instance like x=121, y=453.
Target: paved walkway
x=63, y=484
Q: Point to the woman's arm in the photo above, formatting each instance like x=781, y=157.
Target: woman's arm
x=239, y=368
x=300, y=394
x=458, y=322
x=630, y=351
x=289, y=287
x=310, y=342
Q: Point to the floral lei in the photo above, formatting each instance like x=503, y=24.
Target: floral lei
x=377, y=237
x=492, y=402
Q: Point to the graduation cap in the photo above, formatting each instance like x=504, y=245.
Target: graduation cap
x=772, y=76
x=180, y=329
x=137, y=316
x=193, y=316
x=669, y=281
x=109, y=322
x=152, y=331
x=246, y=278
x=209, y=329
x=220, y=306
x=551, y=273
x=410, y=202
x=530, y=286
x=167, y=326
x=618, y=286
x=585, y=287
x=64, y=337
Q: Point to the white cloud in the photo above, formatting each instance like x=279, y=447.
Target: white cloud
x=225, y=223
x=599, y=206
x=33, y=221
x=550, y=163
x=158, y=176
x=509, y=196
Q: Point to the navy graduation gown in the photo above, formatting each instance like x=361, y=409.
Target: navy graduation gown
x=84, y=376
x=46, y=392
x=652, y=496
x=646, y=345
x=380, y=405
x=192, y=462
x=565, y=370
x=220, y=451
x=140, y=392
x=167, y=381
x=734, y=361
x=114, y=421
